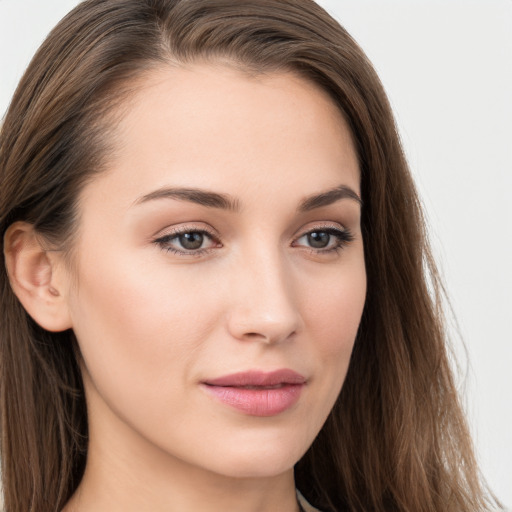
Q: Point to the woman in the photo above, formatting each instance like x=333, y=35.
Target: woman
x=217, y=277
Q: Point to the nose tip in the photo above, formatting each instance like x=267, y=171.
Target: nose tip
x=264, y=307
x=252, y=326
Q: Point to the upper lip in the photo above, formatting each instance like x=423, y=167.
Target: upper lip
x=258, y=378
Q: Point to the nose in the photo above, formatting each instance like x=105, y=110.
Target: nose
x=263, y=303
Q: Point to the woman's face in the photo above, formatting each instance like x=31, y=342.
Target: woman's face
x=219, y=278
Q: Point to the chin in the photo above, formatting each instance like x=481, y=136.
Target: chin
x=260, y=460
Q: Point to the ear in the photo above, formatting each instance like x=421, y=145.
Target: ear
x=38, y=277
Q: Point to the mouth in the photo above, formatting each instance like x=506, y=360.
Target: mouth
x=258, y=393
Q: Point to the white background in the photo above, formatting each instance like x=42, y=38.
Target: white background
x=447, y=67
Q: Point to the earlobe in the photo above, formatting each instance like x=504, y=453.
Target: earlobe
x=36, y=277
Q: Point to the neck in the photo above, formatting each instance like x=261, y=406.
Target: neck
x=183, y=495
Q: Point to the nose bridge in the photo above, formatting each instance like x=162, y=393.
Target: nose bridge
x=263, y=303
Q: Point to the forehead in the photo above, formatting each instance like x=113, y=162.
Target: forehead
x=214, y=126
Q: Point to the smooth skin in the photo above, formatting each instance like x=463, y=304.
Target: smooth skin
x=170, y=287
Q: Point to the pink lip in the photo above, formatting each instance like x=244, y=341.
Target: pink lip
x=258, y=393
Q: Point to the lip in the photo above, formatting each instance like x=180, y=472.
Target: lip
x=258, y=393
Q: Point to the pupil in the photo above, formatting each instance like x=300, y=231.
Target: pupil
x=191, y=240
x=318, y=239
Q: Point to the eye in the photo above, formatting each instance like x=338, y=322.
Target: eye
x=187, y=242
x=318, y=239
x=325, y=239
x=191, y=241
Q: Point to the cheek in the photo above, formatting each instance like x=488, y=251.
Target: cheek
x=334, y=311
x=332, y=320
x=334, y=315
x=138, y=298
x=142, y=323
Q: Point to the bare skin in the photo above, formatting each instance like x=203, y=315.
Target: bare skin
x=169, y=292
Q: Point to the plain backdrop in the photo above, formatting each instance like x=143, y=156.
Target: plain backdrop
x=447, y=68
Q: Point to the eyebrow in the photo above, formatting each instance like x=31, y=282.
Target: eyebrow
x=227, y=202
x=194, y=195
x=329, y=197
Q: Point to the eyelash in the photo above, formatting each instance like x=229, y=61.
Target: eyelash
x=342, y=238
x=164, y=241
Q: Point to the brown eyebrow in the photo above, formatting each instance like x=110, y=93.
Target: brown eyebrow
x=194, y=195
x=226, y=202
x=329, y=197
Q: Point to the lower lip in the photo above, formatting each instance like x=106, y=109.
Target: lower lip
x=260, y=401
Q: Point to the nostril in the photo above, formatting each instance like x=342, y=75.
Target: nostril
x=257, y=336
x=268, y=337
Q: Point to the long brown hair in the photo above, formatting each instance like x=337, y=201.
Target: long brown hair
x=396, y=439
